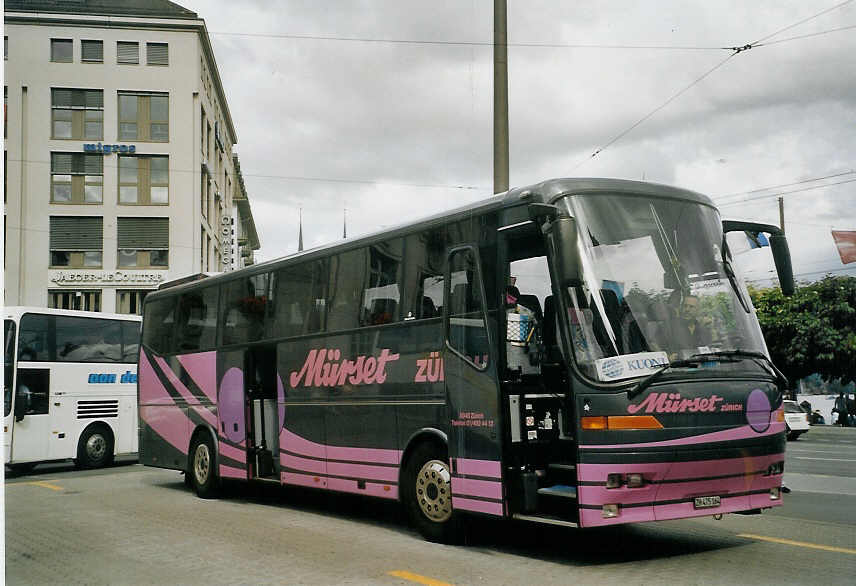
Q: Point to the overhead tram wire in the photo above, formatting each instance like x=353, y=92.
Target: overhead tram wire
x=782, y=193
x=298, y=178
x=726, y=196
x=467, y=43
x=736, y=50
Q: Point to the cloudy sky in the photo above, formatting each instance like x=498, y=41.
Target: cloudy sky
x=385, y=107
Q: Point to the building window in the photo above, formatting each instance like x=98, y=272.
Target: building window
x=92, y=51
x=143, y=242
x=157, y=54
x=77, y=178
x=61, y=50
x=76, y=242
x=144, y=117
x=89, y=300
x=77, y=114
x=144, y=180
x=130, y=301
x=127, y=52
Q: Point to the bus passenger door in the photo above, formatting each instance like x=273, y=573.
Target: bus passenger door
x=32, y=425
x=470, y=376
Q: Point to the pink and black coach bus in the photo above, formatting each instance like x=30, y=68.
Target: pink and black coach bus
x=578, y=352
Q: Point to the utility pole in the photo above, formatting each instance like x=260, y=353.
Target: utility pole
x=782, y=213
x=500, y=98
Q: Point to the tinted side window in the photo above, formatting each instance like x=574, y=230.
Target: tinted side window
x=245, y=307
x=347, y=283
x=130, y=340
x=79, y=339
x=159, y=325
x=35, y=342
x=423, y=275
x=197, y=320
x=301, y=298
x=383, y=275
x=467, y=333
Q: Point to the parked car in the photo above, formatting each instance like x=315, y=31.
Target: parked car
x=796, y=420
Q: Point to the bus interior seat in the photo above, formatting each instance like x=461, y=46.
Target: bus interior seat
x=532, y=303
x=382, y=311
x=428, y=308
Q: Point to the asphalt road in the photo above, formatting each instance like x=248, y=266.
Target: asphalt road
x=133, y=525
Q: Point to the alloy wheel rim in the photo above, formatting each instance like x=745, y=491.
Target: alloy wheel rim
x=201, y=463
x=434, y=491
x=96, y=446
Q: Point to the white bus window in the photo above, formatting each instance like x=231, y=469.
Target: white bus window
x=79, y=339
x=33, y=392
x=8, y=364
x=33, y=344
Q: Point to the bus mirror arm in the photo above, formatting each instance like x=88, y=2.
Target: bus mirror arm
x=22, y=403
x=778, y=246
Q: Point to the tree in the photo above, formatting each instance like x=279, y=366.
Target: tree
x=813, y=331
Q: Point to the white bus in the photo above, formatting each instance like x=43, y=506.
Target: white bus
x=69, y=386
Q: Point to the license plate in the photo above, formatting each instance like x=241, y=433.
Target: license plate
x=706, y=502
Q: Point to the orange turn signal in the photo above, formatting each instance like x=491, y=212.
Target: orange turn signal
x=633, y=422
x=621, y=422
x=593, y=423
x=780, y=415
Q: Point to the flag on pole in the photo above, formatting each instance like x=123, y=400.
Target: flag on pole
x=845, y=241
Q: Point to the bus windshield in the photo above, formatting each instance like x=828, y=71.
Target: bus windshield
x=657, y=286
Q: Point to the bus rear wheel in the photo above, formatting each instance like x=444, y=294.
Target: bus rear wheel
x=428, y=494
x=202, y=474
x=95, y=448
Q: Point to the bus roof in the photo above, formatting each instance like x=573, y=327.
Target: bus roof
x=16, y=311
x=545, y=192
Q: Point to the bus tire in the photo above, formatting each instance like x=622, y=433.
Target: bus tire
x=203, y=477
x=95, y=448
x=427, y=493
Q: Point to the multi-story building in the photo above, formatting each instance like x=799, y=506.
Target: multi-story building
x=119, y=142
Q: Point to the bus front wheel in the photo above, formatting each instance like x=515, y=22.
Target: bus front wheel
x=428, y=494
x=202, y=473
x=95, y=448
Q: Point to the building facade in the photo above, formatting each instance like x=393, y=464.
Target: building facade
x=119, y=140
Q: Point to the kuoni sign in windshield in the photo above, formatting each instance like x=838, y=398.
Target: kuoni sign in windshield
x=630, y=365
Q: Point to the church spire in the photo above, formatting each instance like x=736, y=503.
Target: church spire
x=300, y=233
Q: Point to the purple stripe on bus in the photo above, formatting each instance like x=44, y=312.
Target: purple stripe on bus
x=594, y=518
x=378, y=490
x=302, y=464
x=303, y=480
x=292, y=442
x=170, y=423
x=202, y=368
x=679, y=470
x=744, y=432
x=151, y=389
x=176, y=383
x=472, y=487
x=233, y=453
x=374, y=455
x=229, y=472
x=205, y=414
x=488, y=468
x=600, y=495
x=465, y=504
x=363, y=471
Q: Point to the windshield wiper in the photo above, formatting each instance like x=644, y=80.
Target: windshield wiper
x=760, y=358
x=695, y=361
x=732, y=278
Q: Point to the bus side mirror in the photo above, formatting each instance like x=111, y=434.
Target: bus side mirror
x=564, y=236
x=778, y=246
x=782, y=258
